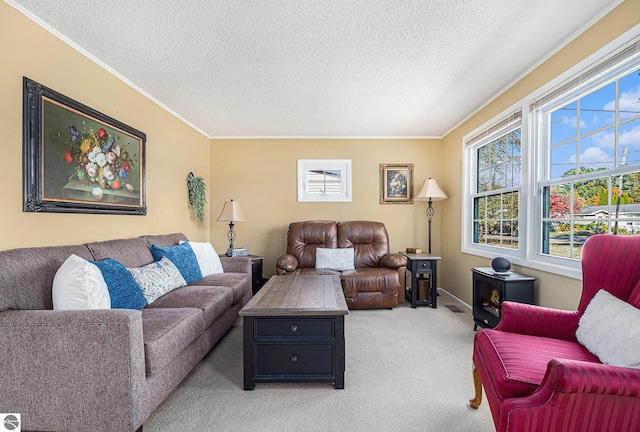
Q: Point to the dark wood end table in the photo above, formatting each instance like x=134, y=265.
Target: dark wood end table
x=257, y=280
x=421, y=264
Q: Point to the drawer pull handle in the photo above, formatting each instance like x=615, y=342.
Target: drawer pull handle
x=294, y=358
x=294, y=328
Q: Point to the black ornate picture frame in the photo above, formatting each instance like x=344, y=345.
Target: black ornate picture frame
x=78, y=160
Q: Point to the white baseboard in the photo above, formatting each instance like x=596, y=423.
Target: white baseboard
x=468, y=306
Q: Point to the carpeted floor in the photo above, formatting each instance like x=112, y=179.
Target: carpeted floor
x=406, y=370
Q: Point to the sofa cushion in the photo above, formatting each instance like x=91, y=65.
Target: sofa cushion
x=306, y=271
x=26, y=275
x=369, y=239
x=238, y=283
x=212, y=301
x=335, y=259
x=304, y=237
x=157, y=278
x=133, y=252
x=207, y=257
x=519, y=362
x=183, y=257
x=124, y=291
x=79, y=284
x=610, y=329
x=164, y=239
x=166, y=333
x=378, y=279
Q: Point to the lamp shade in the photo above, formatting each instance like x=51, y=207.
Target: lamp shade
x=231, y=212
x=430, y=191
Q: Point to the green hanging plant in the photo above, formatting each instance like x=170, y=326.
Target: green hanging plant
x=197, y=196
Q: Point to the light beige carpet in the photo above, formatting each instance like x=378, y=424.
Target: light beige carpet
x=406, y=370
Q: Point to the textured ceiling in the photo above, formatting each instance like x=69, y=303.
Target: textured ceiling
x=319, y=68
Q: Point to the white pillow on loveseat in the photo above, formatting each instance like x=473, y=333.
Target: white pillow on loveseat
x=610, y=329
x=340, y=259
x=78, y=284
x=208, y=259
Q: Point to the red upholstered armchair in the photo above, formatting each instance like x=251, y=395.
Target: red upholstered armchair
x=538, y=377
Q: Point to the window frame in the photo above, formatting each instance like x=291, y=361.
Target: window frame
x=542, y=119
x=342, y=165
x=534, y=160
x=507, y=122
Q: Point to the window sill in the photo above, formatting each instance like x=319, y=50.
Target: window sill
x=558, y=266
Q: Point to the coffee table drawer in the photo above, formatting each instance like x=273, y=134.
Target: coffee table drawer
x=294, y=359
x=267, y=328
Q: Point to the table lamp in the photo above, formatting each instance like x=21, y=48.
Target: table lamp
x=231, y=213
x=430, y=192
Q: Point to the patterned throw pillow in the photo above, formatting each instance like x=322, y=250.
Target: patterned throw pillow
x=157, y=278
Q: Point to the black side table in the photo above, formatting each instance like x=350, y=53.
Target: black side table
x=256, y=272
x=419, y=265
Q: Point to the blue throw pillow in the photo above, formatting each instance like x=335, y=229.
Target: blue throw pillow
x=183, y=257
x=125, y=293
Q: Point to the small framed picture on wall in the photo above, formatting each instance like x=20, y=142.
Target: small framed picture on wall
x=396, y=183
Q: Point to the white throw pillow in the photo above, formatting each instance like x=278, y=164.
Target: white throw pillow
x=78, y=284
x=207, y=258
x=610, y=329
x=158, y=278
x=335, y=259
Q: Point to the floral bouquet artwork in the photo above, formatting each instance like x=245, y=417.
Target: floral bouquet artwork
x=78, y=160
x=396, y=183
x=99, y=160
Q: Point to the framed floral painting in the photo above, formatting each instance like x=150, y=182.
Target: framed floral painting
x=396, y=184
x=78, y=160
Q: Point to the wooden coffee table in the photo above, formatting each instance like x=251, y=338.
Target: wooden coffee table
x=294, y=331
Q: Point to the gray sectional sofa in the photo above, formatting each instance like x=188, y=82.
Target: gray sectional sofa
x=104, y=370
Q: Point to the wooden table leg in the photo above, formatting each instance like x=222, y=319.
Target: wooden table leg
x=248, y=353
x=477, y=385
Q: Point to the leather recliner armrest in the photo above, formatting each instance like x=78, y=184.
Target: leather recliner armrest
x=393, y=261
x=286, y=263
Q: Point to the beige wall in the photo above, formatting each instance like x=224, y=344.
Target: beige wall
x=173, y=148
x=262, y=175
x=551, y=290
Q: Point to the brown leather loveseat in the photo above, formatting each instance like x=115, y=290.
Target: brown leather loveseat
x=375, y=282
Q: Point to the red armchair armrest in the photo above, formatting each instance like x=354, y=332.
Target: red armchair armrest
x=576, y=395
x=538, y=321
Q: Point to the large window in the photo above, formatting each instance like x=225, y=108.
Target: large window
x=496, y=197
x=591, y=145
x=558, y=167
